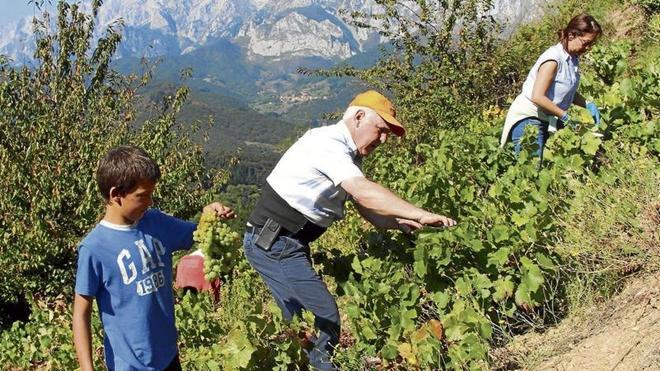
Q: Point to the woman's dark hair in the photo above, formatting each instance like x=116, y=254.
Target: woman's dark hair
x=579, y=25
x=124, y=167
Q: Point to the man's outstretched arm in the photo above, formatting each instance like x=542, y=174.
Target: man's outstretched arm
x=385, y=209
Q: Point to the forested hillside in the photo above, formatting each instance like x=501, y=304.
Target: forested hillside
x=536, y=241
x=236, y=122
x=229, y=130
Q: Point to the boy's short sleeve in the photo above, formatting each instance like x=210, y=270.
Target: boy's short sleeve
x=179, y=232
x=88, y=276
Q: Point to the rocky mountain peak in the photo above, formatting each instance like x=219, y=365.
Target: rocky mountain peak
x=264, y=28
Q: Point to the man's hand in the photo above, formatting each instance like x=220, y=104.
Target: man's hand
x=433, y=220
x=436, y=220
x=407, y=226
x=220, y=210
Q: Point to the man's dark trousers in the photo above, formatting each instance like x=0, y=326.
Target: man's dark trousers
x=287, y=270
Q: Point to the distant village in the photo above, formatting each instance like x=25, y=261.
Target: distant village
x=302, y=97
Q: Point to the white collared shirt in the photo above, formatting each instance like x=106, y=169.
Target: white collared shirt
x=309, y=174
x=562, y=90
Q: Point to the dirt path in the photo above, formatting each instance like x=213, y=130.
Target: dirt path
x=622, y=334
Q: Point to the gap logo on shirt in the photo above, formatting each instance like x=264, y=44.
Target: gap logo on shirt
x=147, y=262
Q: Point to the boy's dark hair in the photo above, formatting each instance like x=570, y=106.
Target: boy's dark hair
x=124, y=167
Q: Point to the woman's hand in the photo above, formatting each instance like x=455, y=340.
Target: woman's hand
x=595, y=114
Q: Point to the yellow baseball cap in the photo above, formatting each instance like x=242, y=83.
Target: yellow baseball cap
x=383, y=107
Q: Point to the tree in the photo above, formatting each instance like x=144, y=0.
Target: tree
x=56, y=121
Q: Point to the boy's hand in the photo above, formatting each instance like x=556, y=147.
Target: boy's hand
x=220, y=210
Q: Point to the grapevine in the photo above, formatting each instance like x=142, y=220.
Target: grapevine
x=219, y=244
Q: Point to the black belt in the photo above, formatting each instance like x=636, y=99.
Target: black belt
x=307, y=234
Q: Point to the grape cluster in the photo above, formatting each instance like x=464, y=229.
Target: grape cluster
x=219, y=244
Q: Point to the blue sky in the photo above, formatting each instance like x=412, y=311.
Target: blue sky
x=13, y=10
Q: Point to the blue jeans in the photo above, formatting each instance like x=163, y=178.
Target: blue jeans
x=287, y=270
x=519, y=129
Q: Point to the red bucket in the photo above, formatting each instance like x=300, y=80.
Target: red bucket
x=190, y=275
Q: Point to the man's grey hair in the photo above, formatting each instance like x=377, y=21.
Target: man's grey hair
x=350, y=112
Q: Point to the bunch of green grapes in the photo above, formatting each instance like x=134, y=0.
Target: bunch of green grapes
x=219, y=244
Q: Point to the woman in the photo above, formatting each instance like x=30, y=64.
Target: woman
x=551, y=85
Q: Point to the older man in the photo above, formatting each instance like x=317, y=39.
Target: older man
x=306, y=192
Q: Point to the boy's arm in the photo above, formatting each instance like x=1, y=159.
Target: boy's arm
x=181, y=231
x=82, y=333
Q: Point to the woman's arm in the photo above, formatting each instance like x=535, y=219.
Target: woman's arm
x=82, y=333
x=544, y=78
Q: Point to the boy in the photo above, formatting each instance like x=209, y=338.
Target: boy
x=125, y=262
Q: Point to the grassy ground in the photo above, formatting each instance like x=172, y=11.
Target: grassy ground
x=620, y=334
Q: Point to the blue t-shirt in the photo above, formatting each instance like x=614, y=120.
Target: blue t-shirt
x=128, y=269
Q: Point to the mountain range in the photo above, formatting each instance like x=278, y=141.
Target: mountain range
x=264, y=30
